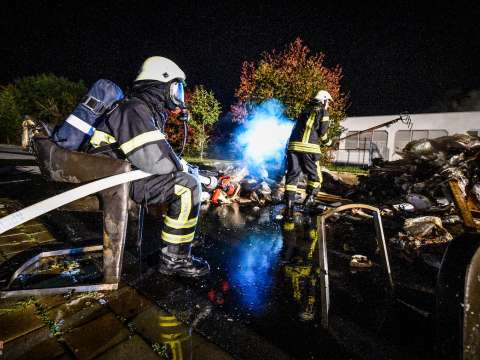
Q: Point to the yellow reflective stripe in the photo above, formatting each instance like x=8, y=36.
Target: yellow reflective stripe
x=314, y=236
x=182, y=222
x=141, y=139
x=100, y=137
x=177, y=224
x=313, y=184
x=298, y=146
x=177, y=352
x=185, y=202
x=172, y=323
x=288, y=226
x=308, y=127
x=301, y=191
x=319, y=173
x=324, y=137
x=167, y=317
x=291, y=188
x=177, y=239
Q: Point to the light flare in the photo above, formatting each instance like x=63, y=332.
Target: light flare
x=262, y=139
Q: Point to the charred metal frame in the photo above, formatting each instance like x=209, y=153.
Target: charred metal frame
x=58, y=290
x=61, y=165
x=322, y=249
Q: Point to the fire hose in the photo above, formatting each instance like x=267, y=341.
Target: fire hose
x=404, y=118
x=31, y=212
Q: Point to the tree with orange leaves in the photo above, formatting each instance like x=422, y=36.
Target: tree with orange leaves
x=293, y=76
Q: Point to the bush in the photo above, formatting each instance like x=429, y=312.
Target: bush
x=44, y=97
x=10, y=116
x=204, y=109
x=293, y=76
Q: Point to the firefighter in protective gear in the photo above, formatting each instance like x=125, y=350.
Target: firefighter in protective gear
x=303, y=155
x=134, y=131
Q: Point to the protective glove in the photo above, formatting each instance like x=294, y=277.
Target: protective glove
x=185, y=165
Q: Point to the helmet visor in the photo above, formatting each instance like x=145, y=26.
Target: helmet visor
x=177, y=93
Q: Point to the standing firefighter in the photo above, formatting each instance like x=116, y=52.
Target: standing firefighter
x=303, y=153
x=135, y=131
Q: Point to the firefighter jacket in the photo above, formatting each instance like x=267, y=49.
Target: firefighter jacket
x=309, y=131
x=134, y=132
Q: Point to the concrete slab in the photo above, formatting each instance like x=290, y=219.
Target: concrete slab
x=95, y=337
x=16, y=238
x=18, y=322
x=78, y=310
x=11, y=249
x=46, y=350
x=203, y=349
x=127, y=302
x=134, y=348
x=52, y=301
x=33, y=227
x=36, y=345
x=41, y=237
x=158, y=326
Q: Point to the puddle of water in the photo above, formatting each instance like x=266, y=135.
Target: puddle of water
x=60, y=271
x=273, y=282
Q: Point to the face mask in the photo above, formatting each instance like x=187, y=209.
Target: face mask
x=177, y=93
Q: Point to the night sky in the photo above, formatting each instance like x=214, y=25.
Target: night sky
x=403, y=58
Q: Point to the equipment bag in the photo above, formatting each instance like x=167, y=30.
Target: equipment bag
x=77, y=129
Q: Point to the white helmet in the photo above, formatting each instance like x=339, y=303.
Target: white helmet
x=161, y=69
x=322, y=96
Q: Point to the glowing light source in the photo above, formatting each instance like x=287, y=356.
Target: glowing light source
x=262, y=139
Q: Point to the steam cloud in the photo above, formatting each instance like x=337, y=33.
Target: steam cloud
x=261, y=140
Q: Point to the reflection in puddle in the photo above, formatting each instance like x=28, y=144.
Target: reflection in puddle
x=252, y=266
x=174, y=340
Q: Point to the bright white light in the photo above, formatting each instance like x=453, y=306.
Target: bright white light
x=263, y=137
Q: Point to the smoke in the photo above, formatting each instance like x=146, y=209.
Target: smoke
x=261, y=140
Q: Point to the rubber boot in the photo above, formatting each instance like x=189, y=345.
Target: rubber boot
x=312, y=205
x=289, y=210
x=309, y=202
x=177, y=260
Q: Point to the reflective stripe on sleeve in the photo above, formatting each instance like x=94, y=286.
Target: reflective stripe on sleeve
x=81, y=125
x=313, y=184
x=141, y=140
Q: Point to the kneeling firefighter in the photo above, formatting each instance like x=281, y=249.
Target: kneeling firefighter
x=303, y=153
x=134, y=131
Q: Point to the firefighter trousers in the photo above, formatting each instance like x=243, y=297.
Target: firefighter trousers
x=181, y=192
x=299, y=163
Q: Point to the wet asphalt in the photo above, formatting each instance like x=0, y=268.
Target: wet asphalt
x=262, y=297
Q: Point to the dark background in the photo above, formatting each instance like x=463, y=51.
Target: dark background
x=394, y=57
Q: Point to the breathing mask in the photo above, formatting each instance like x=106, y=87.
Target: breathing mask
x=177, y=93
